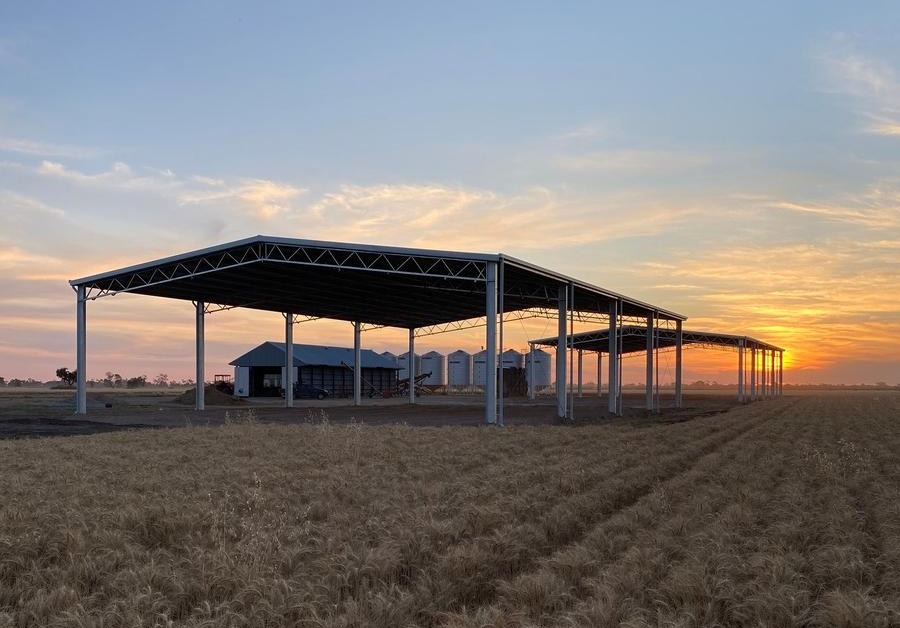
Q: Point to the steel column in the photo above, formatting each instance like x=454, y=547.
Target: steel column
x=740, y=372
x=753, y=374
x=581, y=373
x=490, y=375
x=500, y=273
x=679, y=400
x=765, y=375
x=357, y=363
x=200, y=391
x=81, y=351
x=613, y=378
x=780, y=373
x=531, y=393
x=599, y=374
x=649, y=375
x=289, y=360
x=411, y=365
x=561, y=347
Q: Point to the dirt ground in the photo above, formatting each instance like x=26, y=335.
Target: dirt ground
x=43, y=412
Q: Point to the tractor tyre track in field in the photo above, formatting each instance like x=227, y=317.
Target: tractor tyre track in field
x=440, y=595
x=527, y=596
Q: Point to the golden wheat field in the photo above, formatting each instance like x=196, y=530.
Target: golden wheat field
x=778, y=513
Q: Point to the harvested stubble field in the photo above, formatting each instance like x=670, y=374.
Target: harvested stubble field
x=779, y=513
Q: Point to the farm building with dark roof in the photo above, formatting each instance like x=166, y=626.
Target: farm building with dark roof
x=260, y=371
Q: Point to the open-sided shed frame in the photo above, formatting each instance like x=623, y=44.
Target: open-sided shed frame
x=760, y=368
x=424, y=291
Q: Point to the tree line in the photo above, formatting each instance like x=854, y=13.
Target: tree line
x=67, y=378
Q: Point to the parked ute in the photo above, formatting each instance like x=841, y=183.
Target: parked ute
x=308, y=391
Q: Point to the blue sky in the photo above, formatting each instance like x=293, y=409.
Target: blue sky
x=734, y=162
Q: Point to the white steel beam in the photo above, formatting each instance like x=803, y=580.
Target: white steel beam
x=570, y=408
x=357, y=363
x=531, y=392
x=613, y=378
x=580, y=373
x=411, y=366
x=649, y=365
x=781, y=373
x=752, y=373
x=200, y=390
x=500, y=306
x=561, y=346
x=81, y=351
x=678, y=363
x=599, y=374
x=490, y=341
x=289, y=360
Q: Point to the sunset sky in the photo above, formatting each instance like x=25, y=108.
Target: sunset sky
x=738, y=163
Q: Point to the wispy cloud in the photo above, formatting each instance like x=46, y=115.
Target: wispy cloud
x=630, y=160
x=876, y=207
x=44, y=149
x=874, y=85
x=11, y=201
x=262, y=198
x=433, y=215
x=585, y=132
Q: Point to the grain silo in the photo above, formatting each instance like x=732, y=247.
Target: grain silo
x=479, y=368
x=434, y=363
x=403, y=363
x=389, y=356
x=541, y=371
x=459, y=369
x=511, y=359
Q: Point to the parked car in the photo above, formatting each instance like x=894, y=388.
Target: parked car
x=308, y=391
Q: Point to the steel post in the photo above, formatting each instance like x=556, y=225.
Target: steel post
x=753, y=374
x=200, y=391
x=531, y=392
x=357, y=363
x=490, y=360
x=580, y=373
x=561, y=347
x=613, y=377
x=289, y=360
x=411, y=365
x=781, y=373
x=678, y=364
x=599, y=374
x=81, y=351
x=500, y=385
x=649, y=375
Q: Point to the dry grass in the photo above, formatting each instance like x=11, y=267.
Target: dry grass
x=781, y=513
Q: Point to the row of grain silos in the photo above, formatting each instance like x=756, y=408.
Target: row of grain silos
x=461, y=369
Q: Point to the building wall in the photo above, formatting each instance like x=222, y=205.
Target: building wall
x=339, y=380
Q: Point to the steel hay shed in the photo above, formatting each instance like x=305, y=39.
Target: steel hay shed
x=424, y=291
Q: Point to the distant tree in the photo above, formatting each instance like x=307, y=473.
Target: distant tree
x=161, y=380
x=136, y=382
x=15, y=382
x=66, y=376
x=2, y=381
